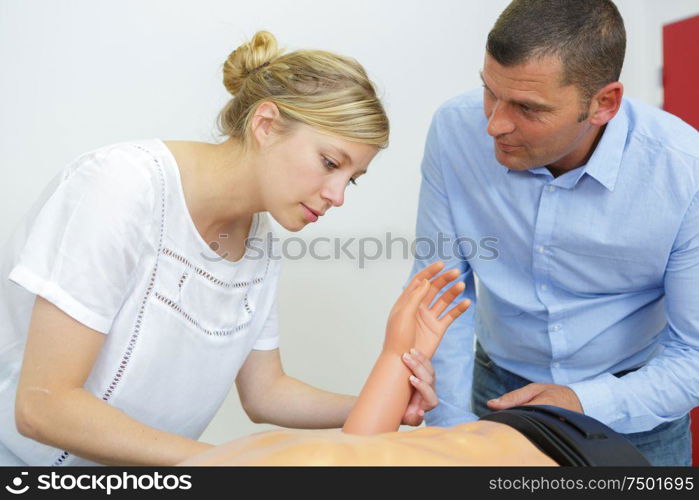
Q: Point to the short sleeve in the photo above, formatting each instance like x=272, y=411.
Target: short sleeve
x=84, y=244
x=268, y=338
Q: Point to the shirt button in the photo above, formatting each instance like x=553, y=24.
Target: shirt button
x=540, y=249
x=556, y=364
x=544, y=287
x=551, y=189
x=555, y=328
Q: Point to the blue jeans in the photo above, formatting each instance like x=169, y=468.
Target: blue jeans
x=667, y=444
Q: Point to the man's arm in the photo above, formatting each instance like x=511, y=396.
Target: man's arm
x=453, y=361
x=668, y=386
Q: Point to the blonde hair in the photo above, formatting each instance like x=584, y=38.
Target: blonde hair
x=318, y=88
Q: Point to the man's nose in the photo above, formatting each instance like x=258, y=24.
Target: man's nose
x=499, y=122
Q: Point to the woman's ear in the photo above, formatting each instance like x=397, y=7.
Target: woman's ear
x=263, y=122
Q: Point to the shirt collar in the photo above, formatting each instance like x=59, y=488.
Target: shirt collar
x=605, y=162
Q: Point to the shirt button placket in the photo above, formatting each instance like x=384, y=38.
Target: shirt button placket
x=543, y=229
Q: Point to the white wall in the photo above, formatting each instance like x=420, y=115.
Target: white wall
x=78, y=74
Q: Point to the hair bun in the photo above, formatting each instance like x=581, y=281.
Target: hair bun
x=260, y=51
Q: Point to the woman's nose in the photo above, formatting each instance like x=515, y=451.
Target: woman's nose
x=334, y=191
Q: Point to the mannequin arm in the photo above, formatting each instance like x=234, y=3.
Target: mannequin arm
x=387, y=391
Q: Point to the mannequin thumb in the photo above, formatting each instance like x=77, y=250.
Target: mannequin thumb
x=418, y=294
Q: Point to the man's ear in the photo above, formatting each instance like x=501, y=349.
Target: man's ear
x=264, y=119
x=605, y=104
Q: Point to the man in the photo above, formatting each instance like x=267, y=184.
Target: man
x=591, y=302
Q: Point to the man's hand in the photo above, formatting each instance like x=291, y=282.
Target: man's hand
x=538, y=394
x=424, y=396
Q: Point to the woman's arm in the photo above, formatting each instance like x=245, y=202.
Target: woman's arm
x=411, y=322
x=268, y=395
x=53, y=408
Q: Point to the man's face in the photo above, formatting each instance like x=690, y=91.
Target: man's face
x=531, y=117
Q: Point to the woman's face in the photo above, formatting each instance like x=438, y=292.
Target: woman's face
x=305, y=172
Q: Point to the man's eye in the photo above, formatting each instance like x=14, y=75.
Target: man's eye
x=328, y=163
x=526, y=108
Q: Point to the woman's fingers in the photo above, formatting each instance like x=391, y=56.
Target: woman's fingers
x=424, y=360
x=454, y=313
x=447, y=298
x=412, y=414
x=426, y=273
x=418, y=368
x=429, y=396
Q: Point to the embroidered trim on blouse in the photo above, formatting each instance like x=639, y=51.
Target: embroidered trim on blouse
x=209, y=276
x=139, y=318
x=182, y=278
x=214, y=333
x=247, y=304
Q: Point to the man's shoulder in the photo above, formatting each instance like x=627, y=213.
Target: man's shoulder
x=462, y=106
x=661, y=130
x=461, y=118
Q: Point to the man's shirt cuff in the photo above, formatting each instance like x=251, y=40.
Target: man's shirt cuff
x=448, y=415
x=597, y=399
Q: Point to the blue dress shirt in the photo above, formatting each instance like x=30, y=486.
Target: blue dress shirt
x=579, y=276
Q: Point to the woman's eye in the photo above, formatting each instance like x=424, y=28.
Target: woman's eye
x=328, y=163
x=353, y=182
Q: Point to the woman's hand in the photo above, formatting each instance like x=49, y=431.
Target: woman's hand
x=424, y=396
x=412, y=323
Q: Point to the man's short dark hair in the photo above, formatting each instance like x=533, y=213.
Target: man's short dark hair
x=587, y=35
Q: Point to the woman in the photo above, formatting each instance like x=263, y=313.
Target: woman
x=122, y=330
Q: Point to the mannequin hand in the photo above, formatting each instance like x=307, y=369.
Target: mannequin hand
x=424, y=397
x=538, y=394
x=412, y=323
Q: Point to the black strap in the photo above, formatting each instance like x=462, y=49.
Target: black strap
x=570, y=438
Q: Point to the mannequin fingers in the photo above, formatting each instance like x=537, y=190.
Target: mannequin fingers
x=440, y=282
x=417, y=295
x=454, y=313
x=447, y=298
x=426, y=273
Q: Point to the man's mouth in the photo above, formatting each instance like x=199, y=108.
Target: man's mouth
x=506, y=147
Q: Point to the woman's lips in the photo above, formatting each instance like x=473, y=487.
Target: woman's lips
x=310, y=215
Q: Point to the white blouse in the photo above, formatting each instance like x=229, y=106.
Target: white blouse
x=112, y=244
